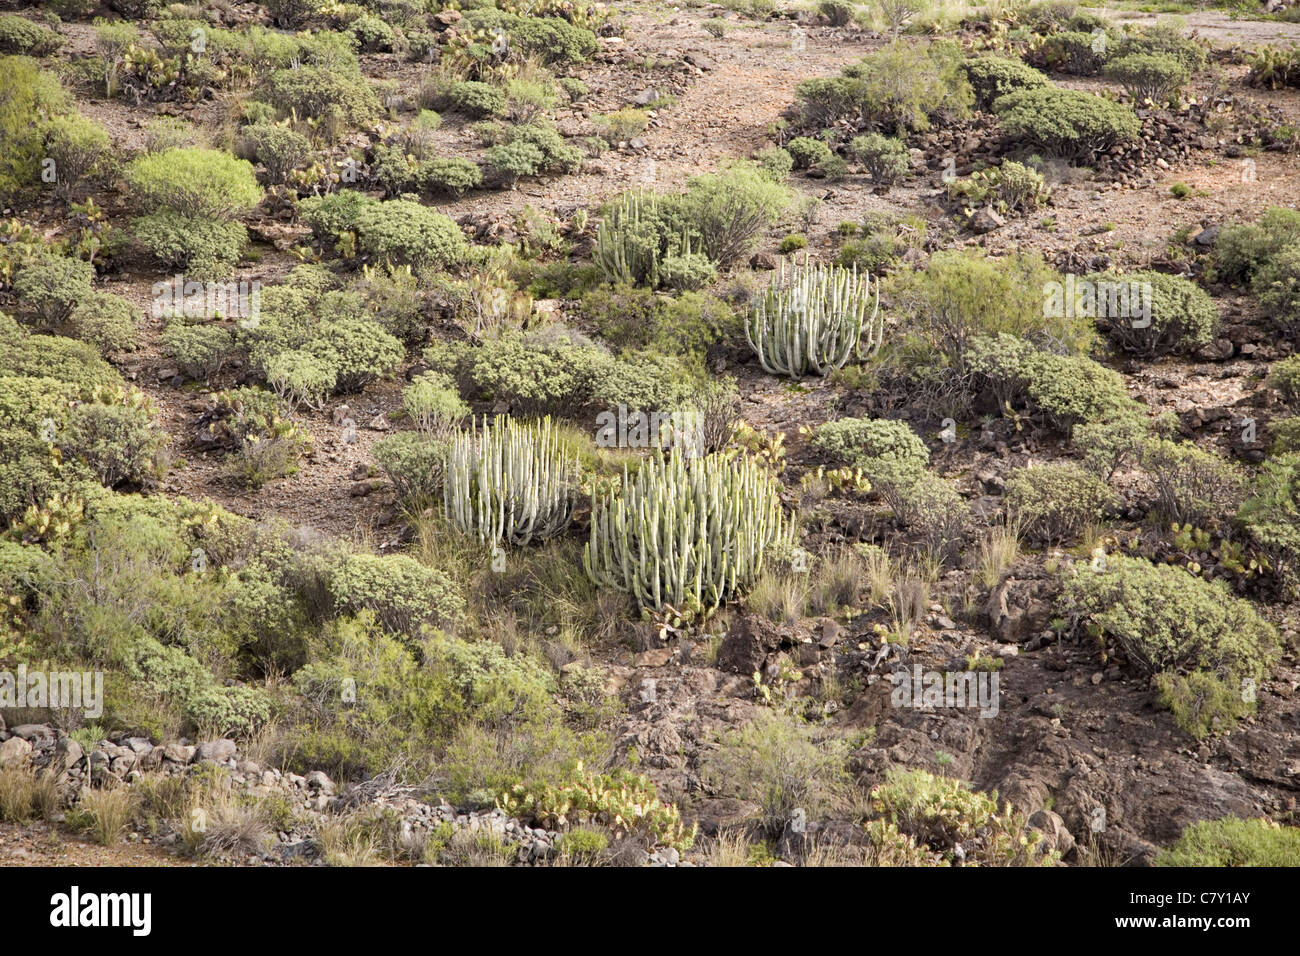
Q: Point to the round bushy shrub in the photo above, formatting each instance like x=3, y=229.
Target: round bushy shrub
x=476, y=99
x=1277, y=283
x=856, y=440
x=1070, y=123
x=198, y=350
x=1182, y=316
x=77, y=146
x=414, y=465
x=50, y=286
x=203, y=248
x=339, y=93
x=807, y=152
x=195, y=182
x=358, y=350
x=450, y=174
x=22, y=36
x=403, y=594
x=1055, y=502
x=884, y=158
x=108, y=322
x=994, y=76
x=117, y=443
x=1157, y=77
x=405, y=231
x=278, y=148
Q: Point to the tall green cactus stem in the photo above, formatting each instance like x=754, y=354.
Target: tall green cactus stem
x=814, y=320
x=686, y=533
x=509, y=482
x=631, y=241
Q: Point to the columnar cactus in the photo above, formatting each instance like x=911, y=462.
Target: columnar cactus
x=814, y=320
x=685, y=533
x=635, y=237
x=509, y=482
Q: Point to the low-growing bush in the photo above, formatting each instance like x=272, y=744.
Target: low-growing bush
x=280, y=149
x=1070, y=123
x=856, y=441
x=1149, y=77
x=807, y=152
x=203, y=248
x=200, y=351
x=78, y=148
x=50, y=287
x=1234, y=842
x=1182, y=317
x=1056, y=502
x=22, y=36
x=994, y=76
x=403, y=594
x=405, y=231
x=885, y=159
x=1242, y=249
x=108, y=322
x=1166, y=620
x=119, y=444
x=195, y=182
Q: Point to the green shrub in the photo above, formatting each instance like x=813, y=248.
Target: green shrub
x=117, y=443
x=332, y=215
x=885, y=159
x=1165, y=619
x=50, y=287
x=730, y=209
x=994, y=76
x=300, y=378
x=338, y=96
x=1182, y=317
x=405, y=231
x=1109, y=445
x=1191, y=485
x=807, y=152
x=783, y=765
x=433, y=405
x=195, y=182
x=1277, y=284
x=371, y=33
x=1070, y=123
x=203, y=248
x=199, y=351
x=476, y=99
x=280, y=149
x=1234, y=842
x=1012, y=187
x=28, y=98
x=1269, y=511
x=1154, y=77
x=1068, y=390
x=450, y=174
x=1055, y=502
x=404, y=595
x=1243, y=248
x=357, y=350
x=776, y=163
x=635, y=318
x=413, y=463
x=108, y=322
x=1202, y=702
x=898, y=87
x=857, y=441
x=1071, y=51
x=1284, y=376
x=1164, y=39
x=962, y=295
x=78, y=147
x=22, y=36
x=512, y=161
x=26, y=402
x=686, y=273
x=54, y=356
x=622, y=125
